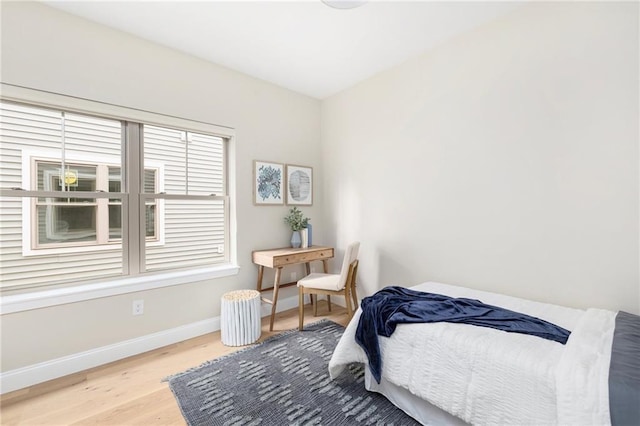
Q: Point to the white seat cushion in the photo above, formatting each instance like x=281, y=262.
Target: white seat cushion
x=321, y=281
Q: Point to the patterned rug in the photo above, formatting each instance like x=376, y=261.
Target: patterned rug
x=282, y=381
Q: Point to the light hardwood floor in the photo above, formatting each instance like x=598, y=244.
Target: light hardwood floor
x=131, y=391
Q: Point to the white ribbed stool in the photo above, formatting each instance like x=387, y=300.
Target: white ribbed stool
x=240, y=322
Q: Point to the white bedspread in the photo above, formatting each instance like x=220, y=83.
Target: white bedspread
x=486, y=376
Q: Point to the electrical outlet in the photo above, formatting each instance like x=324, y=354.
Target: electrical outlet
x=220, y=249
x=138, y=307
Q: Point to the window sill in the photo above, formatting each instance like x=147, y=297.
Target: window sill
x=47, y=298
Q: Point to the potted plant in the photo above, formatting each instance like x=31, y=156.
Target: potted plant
x=296, y=221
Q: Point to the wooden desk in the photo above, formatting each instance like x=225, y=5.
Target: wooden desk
x=281, y=257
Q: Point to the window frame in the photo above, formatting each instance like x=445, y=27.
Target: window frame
x=139, y=281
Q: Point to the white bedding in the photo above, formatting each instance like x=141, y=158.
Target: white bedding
x=487, y=376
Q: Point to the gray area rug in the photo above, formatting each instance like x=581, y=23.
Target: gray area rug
x=282, y=381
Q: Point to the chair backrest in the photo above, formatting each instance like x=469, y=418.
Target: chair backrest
x=350, y=254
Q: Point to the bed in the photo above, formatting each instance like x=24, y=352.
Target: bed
x=445, y=373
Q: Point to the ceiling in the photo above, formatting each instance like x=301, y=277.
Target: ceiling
x=303, y=45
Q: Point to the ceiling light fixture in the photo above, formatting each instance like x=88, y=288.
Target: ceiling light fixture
x=344, y=4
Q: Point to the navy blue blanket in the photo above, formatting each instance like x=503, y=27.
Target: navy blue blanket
x=394, y=305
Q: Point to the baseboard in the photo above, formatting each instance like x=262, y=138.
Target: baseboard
x=30, y=375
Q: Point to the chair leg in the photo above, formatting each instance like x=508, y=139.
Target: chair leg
x=347, y=300
x=329, y=302
x=301, y=308
x=315, y=304
x=354, y=296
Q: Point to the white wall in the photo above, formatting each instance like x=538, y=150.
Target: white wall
x=504, y=160
x=46, y=49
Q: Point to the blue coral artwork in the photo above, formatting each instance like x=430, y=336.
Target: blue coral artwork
x=268, y=183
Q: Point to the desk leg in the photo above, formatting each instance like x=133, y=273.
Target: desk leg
x=276, y=287
x=260, y=274
x=325, y=266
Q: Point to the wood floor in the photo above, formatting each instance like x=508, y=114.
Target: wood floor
x=131, y=391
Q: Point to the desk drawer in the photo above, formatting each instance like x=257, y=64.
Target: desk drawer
x=293, y=258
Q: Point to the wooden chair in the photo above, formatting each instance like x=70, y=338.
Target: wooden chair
x=342, y=284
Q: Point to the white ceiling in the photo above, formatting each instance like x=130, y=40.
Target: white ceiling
x=303, y=45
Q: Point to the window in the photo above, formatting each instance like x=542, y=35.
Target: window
x=87, y=198
x=66, y=221
x=194, y=224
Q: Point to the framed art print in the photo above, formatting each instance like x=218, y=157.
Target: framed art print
x=268, y=183
x=299, y=185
